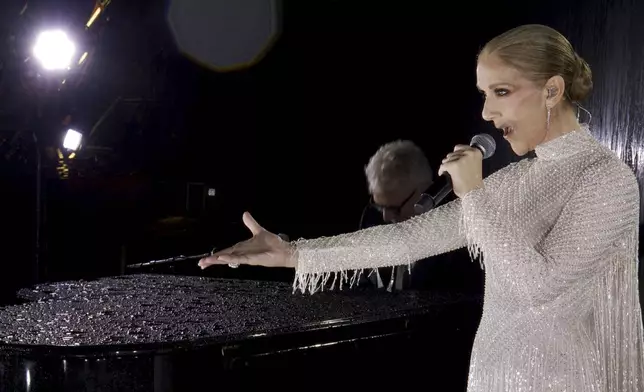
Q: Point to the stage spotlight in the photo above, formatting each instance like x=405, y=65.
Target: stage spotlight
x=72, y=140
x=54, y=50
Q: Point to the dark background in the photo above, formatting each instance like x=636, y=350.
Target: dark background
x=286, y=139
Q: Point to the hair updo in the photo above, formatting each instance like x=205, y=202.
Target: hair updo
x=541, y=52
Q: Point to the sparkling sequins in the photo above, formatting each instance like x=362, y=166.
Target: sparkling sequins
x=558, y=237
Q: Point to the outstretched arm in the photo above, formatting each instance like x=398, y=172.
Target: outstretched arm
x=435, y=232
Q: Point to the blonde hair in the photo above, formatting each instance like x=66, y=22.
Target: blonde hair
x=541, y=52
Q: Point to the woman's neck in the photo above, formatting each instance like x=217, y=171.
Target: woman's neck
x=562, y=123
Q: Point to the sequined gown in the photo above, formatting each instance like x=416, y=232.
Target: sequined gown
x=557, y=236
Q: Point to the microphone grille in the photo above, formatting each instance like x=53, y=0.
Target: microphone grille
x=485, y=143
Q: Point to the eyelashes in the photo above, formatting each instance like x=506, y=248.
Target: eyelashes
x=499, y=92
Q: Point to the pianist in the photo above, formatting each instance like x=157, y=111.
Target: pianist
x=397, y=174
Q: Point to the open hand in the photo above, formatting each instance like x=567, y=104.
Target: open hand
x=465, y=168
x=263, y=248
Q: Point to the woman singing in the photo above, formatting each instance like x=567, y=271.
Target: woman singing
x=556, y=234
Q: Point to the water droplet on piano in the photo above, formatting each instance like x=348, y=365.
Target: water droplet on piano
x=165, y=308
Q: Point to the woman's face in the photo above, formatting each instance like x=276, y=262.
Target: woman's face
x=513, y=103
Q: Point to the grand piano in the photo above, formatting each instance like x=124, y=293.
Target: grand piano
x=163, y=333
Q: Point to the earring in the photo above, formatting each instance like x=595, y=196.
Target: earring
x=548, y=118
x=551, y=92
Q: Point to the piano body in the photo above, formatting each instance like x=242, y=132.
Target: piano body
x=163, y=333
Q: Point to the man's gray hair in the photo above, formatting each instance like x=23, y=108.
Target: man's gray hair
x=398, y=164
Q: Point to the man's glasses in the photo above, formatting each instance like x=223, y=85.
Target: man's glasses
x=393, y=209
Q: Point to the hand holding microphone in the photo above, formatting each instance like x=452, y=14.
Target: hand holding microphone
x=465, y=168
x=464, y=164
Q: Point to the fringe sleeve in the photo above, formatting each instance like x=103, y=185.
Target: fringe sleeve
x=598, y=238
x=617, y=325
x=435, y=232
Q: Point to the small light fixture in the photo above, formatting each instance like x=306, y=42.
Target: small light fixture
x=72, y=140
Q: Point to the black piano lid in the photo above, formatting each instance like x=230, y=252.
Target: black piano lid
x=138, y=314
